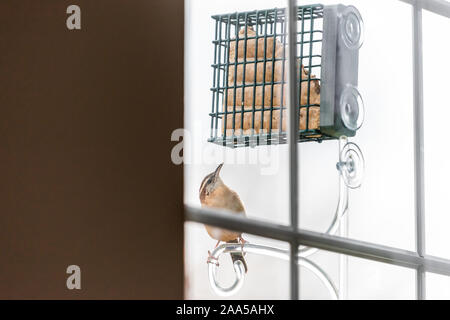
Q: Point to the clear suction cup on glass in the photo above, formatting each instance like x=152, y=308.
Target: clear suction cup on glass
x=352, y=28
x=352, y=108
x=351, y=165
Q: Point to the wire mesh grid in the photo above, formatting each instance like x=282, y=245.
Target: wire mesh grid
x=249, y=91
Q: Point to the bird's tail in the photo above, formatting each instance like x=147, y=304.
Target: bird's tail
x=235, y=256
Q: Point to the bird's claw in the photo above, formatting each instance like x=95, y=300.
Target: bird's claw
x=242, y=241
x=211, y=259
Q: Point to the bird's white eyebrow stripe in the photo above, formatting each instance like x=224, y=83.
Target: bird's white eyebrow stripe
x=205, y=180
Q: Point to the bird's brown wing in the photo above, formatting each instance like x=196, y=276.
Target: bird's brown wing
x=238, y=207
x=236, y=204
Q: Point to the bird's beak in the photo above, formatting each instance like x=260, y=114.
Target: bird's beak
x=217, y=172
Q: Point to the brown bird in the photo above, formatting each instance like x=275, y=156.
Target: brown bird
x=215, y=194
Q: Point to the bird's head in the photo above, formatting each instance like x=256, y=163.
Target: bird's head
x=210, y=183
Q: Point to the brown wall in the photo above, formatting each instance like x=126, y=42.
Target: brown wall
x=85, y=171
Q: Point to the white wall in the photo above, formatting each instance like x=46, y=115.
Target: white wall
x=382, y=210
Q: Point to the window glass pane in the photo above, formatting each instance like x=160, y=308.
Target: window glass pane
x=320, y=281
x=267, y=276
x=259, y=175
x=375, y=280
x=436, y=115
x=382, y=209
x=366, y=279
x=438, y=286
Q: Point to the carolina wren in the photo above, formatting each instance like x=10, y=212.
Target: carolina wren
x=215, y=194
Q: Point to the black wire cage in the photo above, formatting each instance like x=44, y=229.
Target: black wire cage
x=249, y=91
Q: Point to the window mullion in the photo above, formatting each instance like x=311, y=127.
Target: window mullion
x=293, y=116
x=418, y=146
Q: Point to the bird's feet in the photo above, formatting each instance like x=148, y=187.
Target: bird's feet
x=212, y=259
x=242, y=241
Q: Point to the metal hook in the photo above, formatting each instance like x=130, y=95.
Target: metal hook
x=341, y=209
x=351, y=163
x=261, y=250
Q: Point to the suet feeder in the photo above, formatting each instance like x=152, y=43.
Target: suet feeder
x=250, y=89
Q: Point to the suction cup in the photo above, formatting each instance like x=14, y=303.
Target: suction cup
x=352, y=108
x=352, y=28
x=351, y=165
